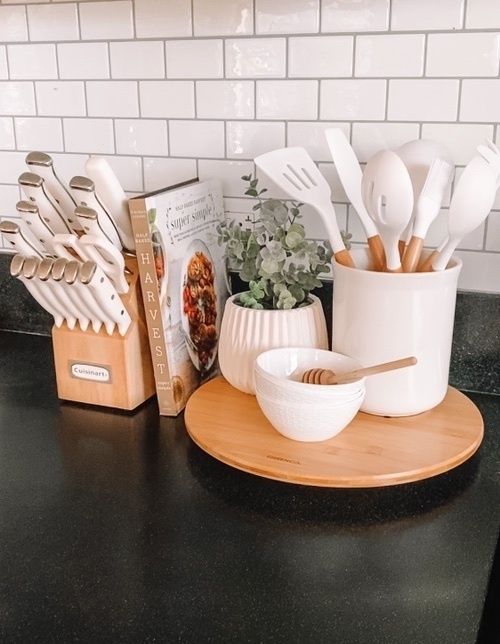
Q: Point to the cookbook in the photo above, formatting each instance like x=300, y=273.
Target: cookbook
x=184, y=284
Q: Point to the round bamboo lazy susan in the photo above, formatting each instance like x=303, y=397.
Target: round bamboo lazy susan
x=373, y=451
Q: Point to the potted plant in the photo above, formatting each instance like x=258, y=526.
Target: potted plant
x=281, y=268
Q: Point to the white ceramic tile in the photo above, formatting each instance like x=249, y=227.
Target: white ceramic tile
x=315, y=229
x=493, y=234
x=89, y=135
x=286, y=16
x=128, y=171
x=167, y=99
x=480, y=100
x=110, y=20
x=480, y=271
x=463, y=54
x=32, y=61
x=225, y=99
x=438, y=231
x=196, y=138
x=352, y=99
x=287, y=99
x=83, y=60
x=137, y=59
x=140, y=136
x=408, y=15
x=394, y=55
x=330, y=173
x=162, y=18
x=112, y=98
x=195, y=58
x=320, y=56
x=223, y=17
x=9, y=196
x=6, y=133
x=159, y=173
x=350, y=15
x=369, y=138
x=311, y=136
x=4, y=72
x=256, y=57
x=462, y=140
x=69, y=165
x=482, y=13
x=60, y=98
x=17, y=98
x=13, y=24
x=229, y=172
x=248, y=139
x=38, y=133
x=423, y=100
x=11, y=166
x=53, y=22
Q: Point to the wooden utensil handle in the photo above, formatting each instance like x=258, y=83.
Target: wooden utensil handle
x=426, y=265
x=377, y=252
x=401, y=247
x=371, y=371
x=412, y=255
x=344, y=257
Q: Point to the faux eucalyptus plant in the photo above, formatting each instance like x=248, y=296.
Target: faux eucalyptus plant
x=272, y=254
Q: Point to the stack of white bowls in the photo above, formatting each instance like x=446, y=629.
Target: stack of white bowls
x=305, y=412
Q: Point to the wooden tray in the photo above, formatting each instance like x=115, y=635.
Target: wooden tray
x=373, y=451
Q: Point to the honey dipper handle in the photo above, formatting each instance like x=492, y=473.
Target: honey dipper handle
x=341, y=378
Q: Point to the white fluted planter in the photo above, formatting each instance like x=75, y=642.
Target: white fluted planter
x=245, y=333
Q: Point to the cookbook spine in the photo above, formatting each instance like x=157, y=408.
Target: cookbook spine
x=151, y=298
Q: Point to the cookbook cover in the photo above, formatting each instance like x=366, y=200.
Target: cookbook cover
x=183, y=282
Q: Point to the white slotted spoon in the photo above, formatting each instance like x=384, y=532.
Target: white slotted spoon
x=293, y=170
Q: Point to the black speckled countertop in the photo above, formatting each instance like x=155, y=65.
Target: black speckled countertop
x=115, y=527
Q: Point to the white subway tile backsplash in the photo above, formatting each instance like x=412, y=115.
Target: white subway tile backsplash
x=480, y=100
x=311, y=136
x=9, y=196
x=162, y=18
x=129, y=172
x=423, y=100
x=60, y=98
x=256, y=57
x=4, y=70
x=69, y=165
x=13, y=27
x=463, y=54
x=17, y=98
x=167, y=99
x=480, y=271
x=286, y=16
x=32, y=61
x=109, y=20
x=353, y=99
x=53, y=22
x=393, y=55
x=320, y=56
x=196, y=138
x=225, y=99
x=11, y=166
x=223, y=17
x=141, y=137
x=162, y=172
x=330, y=173
x=83, y=60
x=248, y=139
x=482, y=14
x=137, y=59
x=230, y=173
x=427, y=15
x=112, y=98
x=287, y=99
x=362, y=15
x=369, y=138
x=493, y=233
x=195, y=58
x=7, y=141
x=461, y=139
x=89, y=135
x=34, y=133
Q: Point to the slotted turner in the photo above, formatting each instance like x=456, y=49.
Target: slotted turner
x=293, y=170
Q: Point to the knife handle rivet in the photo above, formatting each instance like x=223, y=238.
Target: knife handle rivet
x=101, y=280
x=113, y=296
x=28, y=222
x=32, y=198
x=46, y=219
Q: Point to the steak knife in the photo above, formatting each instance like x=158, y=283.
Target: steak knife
x=97, y=317
x=69, y=295
x=34, y=188
x=39, y=228
x=17, y=236
x=83, y=190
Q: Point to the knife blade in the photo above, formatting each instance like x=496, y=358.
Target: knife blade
x=43, y=165
x=17, y=236
x=33, y=187
x=97, y=316
x=83, y=190
x=70, y=298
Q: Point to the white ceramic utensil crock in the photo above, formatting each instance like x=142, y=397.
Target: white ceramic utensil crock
x=384, y=316
x=245, y=333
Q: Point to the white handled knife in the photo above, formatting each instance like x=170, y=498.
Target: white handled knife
x=44, y=275
x=71, y=300
x=109, y=259
x=97, y=315
x=83, y=190
x=19, y=238
x=39, y=228
x=33, y=187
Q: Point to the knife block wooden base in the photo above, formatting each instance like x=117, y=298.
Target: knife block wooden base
x=102, y=369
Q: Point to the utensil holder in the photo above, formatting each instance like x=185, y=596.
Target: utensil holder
x=385, y=316
x=109, y=370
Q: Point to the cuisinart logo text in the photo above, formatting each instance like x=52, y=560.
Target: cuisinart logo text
x=96, y=372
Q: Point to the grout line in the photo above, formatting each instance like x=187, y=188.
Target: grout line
x=459, y=99
x=192, y=18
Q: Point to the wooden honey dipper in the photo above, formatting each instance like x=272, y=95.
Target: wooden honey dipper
x=329, y=377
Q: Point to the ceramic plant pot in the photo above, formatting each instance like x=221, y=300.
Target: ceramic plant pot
x=245, y=333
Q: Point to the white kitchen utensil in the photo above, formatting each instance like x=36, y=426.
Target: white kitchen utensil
x=108, y=257
x=349, y=171
x=388, y=196
x=111, y=194
x=39, y=228
x=97, y=315
x=33, y=187
x=58, y=293
x=83, y=190
x=491, y=154
x=43, y=165
x=426, y=210
x=471, y=203
x=330, y=377
x=76, y=305
x=20, y=239
x=293, y=170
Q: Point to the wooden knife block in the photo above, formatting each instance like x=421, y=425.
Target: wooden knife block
x=109, y=370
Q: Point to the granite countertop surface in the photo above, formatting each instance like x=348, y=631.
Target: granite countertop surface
x=115, y=527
